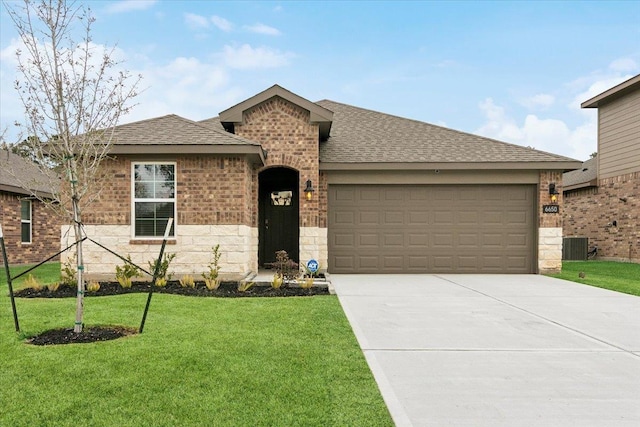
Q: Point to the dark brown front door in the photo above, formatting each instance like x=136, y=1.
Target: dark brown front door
x=278, y=214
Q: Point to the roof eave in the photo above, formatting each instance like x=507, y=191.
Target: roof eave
x=615, y=92
x=592, y=183
x=21, y=191
x=559, y=165
x=254, y=152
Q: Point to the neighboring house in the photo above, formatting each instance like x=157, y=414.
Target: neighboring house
x=388, y=194
x=603, y=198
x=31, y=231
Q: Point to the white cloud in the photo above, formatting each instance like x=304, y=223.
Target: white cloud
x=551, y=135
x=130, y=5
x=195, y=22
x=541, y=100
x=222, y=23
x=246, y=57
x=263, y=29
x=624, y=65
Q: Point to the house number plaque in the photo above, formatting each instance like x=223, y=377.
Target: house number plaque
x=553, y=209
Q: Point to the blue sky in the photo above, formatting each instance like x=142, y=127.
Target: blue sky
x=514, y=71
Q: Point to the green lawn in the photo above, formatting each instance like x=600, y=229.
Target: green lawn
x=617, y=276
x=46, y=273
x=200, y=362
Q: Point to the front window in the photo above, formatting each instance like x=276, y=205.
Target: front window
x=154, y=200
x=25, y=221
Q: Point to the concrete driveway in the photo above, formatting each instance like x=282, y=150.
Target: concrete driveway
x=497, y=350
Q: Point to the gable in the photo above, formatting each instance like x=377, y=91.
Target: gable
x=316, y=113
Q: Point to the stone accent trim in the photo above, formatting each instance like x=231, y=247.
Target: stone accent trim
x=314, y=245
x=550, y=249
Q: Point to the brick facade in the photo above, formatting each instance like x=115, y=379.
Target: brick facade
x=283, y=129
x=45, y=226
x=591, y=212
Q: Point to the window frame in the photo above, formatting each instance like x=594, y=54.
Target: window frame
x=134, y=199
x=28, y=221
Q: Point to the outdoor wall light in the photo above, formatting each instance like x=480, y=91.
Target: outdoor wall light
x=309, y=190
x=553, y=193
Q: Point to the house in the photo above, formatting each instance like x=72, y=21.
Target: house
x=31, y=230
x=602, y=199
x=357, y=190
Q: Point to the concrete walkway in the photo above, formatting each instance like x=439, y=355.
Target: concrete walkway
x=497, y=350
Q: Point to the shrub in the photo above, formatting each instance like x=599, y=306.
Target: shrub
x=125, y=273
x=211, y=279
x=187, y=281
x=285, y=267
x=93, y=286
x=305, y=282
x=52, y=287
x=277, y=281
x=245, y=286
x=68, y=271
x=163, y=271
x=32, y=282
x=161, y=282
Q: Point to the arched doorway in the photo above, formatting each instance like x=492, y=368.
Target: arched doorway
x=278, y=214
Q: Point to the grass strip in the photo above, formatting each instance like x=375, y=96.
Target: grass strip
x=616, y=276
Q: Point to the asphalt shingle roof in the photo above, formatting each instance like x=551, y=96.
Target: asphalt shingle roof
x=174, y=130
x=584, y=175
x=17, y=172
x=365, y=136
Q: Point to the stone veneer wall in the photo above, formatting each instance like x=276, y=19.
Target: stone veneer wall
x=44, y=231
x=590, y=212
x=192, y=245
x=549, y=225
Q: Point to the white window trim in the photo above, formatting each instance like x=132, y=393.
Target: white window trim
x=133, y=200
x=27, y=221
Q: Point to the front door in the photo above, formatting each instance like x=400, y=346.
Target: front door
x=278, y=217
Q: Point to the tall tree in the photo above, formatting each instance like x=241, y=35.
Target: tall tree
x=74, y=94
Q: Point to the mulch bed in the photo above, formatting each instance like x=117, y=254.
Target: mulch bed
x=226, y=290
x=88, y=334
x=105, y=333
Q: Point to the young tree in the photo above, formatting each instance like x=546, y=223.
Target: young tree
x=73, y=94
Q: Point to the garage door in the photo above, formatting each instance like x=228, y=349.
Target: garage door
x=429, y=228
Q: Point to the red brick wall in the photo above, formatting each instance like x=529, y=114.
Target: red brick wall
x=546, y=178
x=210, y=190
x=45, y=231
x=590, y=213
x=284, y=131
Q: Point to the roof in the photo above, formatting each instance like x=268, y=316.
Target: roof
x=615, y=92
x=16, y=173
x=317, y=114
x=586, y=176
x=170, y=133
x=362, y=138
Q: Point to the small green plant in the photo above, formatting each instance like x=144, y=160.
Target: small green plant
x=161, y=282
x=245, y=286
x=93, y=286
x=305, y=282
x=33, y=283
x=211, y=279
x=53, y=287
x=68, y=271
x=163, y=271
x=187, y=281
x=277, y=281
x=125, y=273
